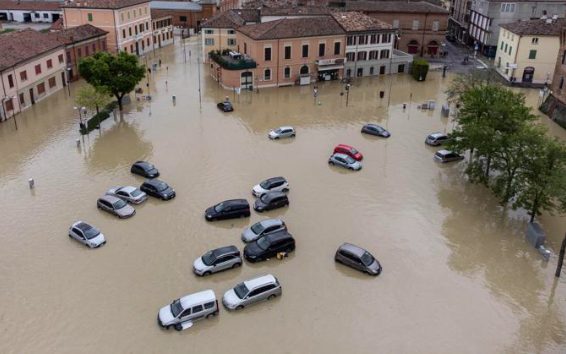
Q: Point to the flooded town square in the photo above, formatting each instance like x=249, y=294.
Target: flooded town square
x=458, y=275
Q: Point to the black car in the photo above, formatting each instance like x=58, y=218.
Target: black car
x=271, y=200
x=228, y=209
x=144, y=169
x=225, y=106
x=158, y=189
x=269, y=245
x=374, y=129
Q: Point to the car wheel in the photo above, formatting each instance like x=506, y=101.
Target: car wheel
x=276, y=138
x=211, y=315
x=168, y=327
x=178, y=327
x=285, y=190
x=239, y=307
x=330, y=162
x=351, y=168
x=236, y=265
x=271, y=297
x=207, y=273
x=287, y=204
x=292, y=135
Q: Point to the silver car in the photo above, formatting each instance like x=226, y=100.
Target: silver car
x=261, y=228
x=251, y=291
x=115, y=206
x=217, y=260
x=128, y=193
x=436, y=139
x=358, y=258
x=447, y=156
x=345, y=161
x=87, y=234
x=282, y=132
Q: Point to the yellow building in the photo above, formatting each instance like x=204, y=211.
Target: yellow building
x=527, y=51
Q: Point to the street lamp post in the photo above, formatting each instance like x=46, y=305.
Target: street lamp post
x=347, y=93
x=69, y=80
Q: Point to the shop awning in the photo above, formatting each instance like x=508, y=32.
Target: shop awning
x=330, y=67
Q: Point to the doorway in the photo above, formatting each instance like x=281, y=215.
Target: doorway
x=31, y=97
x=528, y=74
x=246, y=80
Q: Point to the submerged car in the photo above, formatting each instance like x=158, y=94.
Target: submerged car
x=374, y=129
x=271, y=200
x=447, y=156
x=158, y=189
x=217, y=260
x=87, y=234
x=182, y=312
x=357, y=258
x=436, y=139
x=144, y=169
x=228, y=209
x=345, y=161
x=348, y=150
x=128, y=193
x=266, y=287
x=274, y=184
x=269, y=245
x=261, y=228
x=115, y=206
x=225, y=106
x=282, y=132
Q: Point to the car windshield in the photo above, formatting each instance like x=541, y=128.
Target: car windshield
x=135, y=192
x=257, y=228
x=349, y=159
x=176, y=308
x=264, y=198
x=219, y=207
x=353, y=151
x=119, y=204
x=278, y=130
x=91, y=232
x=208, y=258
x=263, y=243
x=161, y=186
x=241, y=290
x=367, y=259
x=378, y=128
x=265, y=184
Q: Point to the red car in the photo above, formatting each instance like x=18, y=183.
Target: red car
x=349, y=150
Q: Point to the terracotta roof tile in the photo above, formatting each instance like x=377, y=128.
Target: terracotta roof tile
x=536, y=27
x=30, y=5
x=77, y=34
x=103, y=4
x=23, y=45
x=295, y=11
x=293, y=28
x=394, y=6
x=232, y=18
x=352, y=21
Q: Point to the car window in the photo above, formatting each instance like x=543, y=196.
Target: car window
x=221, y=260
x=186, y=313
x=255, y=292
x=122, y=193
x=209, y=305
x=269, y=287
x=197, y=308
x=276, y=184
x=269, y=229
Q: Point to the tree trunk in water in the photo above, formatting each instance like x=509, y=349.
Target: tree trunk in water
x=97, y=109
x=119, y=102
x=534, y=209
x=487, y=167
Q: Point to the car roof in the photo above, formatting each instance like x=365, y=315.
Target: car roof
x=338, y=154
x=443, y=152
x=225, y=250
x=345, y=146
x=143, y=164
x=83, y=226
x=274, y=194
x=109, y=198
x=127, y=189
x=353, y=249
x=437, y=135
x=271, y=222
x=286, y=127
x=200, y=297
x=279, y=235
x=154, y=182
x=275, y=179
x=259, y=281
x=373, y=125
x=235, y=202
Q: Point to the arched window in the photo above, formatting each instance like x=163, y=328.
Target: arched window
x=304, y=69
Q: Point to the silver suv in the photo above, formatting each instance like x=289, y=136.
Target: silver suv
x=182, y=312
x=264, y=227
x=251, y=291
x=217, y=260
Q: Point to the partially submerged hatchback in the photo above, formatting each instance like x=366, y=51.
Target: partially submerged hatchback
x=436, y=139
x=145, y=169
x=128, y=193
x=116, y=206
x=87, y=234
x=228, y=209
x=348, y=150
x=263, y=227
x=282, y=132
x=357, y=258
x=217, y=260
x=266, y=287
x=182, y=312
x=271, y=200
x=269, y=246
x=345, y=161
x=273, y=184
x=158, y=189
x=447, y=156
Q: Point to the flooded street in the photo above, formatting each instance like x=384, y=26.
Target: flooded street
x=458, y=275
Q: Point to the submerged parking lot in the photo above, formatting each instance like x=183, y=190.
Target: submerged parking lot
x=457, y=276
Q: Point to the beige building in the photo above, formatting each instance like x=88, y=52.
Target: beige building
x=527, y=51
x=128, y=22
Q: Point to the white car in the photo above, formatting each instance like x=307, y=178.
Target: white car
x=251, y=291
x=128, y=193
x=183, y=312
x=261, y=228
x=87, y=234
x=345, y=161
x=282, y=132
x=274, y=184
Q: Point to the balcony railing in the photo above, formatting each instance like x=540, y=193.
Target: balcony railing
x=229, y=63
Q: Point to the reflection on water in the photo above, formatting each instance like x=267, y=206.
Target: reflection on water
x=458, y=276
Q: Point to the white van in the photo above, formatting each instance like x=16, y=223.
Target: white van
x=182, y=312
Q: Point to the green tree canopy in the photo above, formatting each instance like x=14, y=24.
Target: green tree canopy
x=92, y=98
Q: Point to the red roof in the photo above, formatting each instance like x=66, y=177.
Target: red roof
x=30, y=5
x=103, y=4
x=20, y=46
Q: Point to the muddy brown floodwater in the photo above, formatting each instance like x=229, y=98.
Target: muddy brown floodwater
x=458, y=276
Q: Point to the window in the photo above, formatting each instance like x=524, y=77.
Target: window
x=287, y=52
x=49, y=64
x=231, y=32
x=93, y=48
x=209, y=305
x=501, y=46
x=507, y=7
x=373, y=54
x=435, y=25
x=362, y=40
x=123, y=33
x=38, y=69
x=147, y=26
x=122, y=17
x=23, y=75
x=183, y=18
x=130, y=31
x=245, y=48
x=505, y=50
x=532, y=54
x=209, y=31
x=69, y=57
x=267, y=75
x=564, y=57
x=135, y=13
x=287, y=72
x=321, y=49
x=36, y=15
x=415, y=25
x=362, y=55
x=61, y=59
x=197, y=308
x=41, y=88
x=534, y=40
x=351, y=56
x=337, y=48
x=305, y=50
x=10, y=81
x=384, y=54
x=45, y=15
x=9, y=105
x=22, y=100
x=128, y=15
x=79, y=52
x=209, y=41
x=52, y=82
x=147, y=41
x=510, y=49
x=395, y=23
x=231, y=41
x=386, y=38
x=371, y=70
x=351, y=40
x=86, y=51
x=373, y=39
x=267, y=54
x=89, y=15
x=136, y=30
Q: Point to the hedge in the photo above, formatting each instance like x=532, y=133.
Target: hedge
x=419, y=69
x=94, y=122
x=241, y=64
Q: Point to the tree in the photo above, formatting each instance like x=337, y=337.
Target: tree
x=118, y=74
x=464, y=82
x=92, y=98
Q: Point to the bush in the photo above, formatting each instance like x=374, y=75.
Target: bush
x=231, y=64
x=94, y=122
x=419, y=69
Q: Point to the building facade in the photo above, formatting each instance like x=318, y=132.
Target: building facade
x=128, y=22
x=558, y=86
x=527, y=51
x=162, y=31
x=186, y=15
x=30, y=11
x=34, y=69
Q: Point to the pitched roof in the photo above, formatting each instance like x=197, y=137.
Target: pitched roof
x=293, y=28
x=77, y=34
x=103, y=4
x=352, y=21
x=295, y=11
x=23, y=45
x=30, y=5
x=536, y=27
x=175, y=5
x=232, y=18
x=394, y=6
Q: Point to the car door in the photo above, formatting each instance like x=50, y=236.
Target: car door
x=151, y=189
x=123, y=195
x=269, y=230
x=197, y=312
x=185, y=315
x=136, y=169
x=106, y=206
x=78, y=235
x=255, y=295
x=222, y=263
x=356, y=262
x=341, y=161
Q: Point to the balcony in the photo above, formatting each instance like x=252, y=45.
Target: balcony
x=229, y=63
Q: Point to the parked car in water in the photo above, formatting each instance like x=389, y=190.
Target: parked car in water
x=87, y=234
x=272, y=184
x=217, y=260
x=357, y=258
x=436, y=139
x=269, y=245
x=263, y=227
x=182, y=312
x=225, y=106
x=271, y=200
x=116, y=206
x=158, y=189
x=228, y=209
x=348, y=150
x=374, y=129
x=249, y=292
x=144, y=169
x=282, y=132
x=447, y=156
x=345, y=161
x=128, y=193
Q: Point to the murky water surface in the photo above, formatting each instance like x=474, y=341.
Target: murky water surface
x=458, y=276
